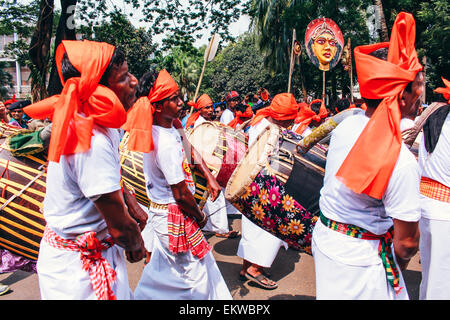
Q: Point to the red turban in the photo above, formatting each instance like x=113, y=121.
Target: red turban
x=306, y=115
x=369, y=165
x=72, y=131
x=140, y=117
x=283, y=107
x=10, y=101
x=203, y=101
x=445, y=91
x=248, y=113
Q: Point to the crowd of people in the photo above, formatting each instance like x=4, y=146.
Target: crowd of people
x=373, y=183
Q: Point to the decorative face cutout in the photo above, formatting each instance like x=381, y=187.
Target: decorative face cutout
x=324, y=43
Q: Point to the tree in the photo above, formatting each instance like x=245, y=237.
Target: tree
x=240, y=67
x=136, y=43
x=273, y=22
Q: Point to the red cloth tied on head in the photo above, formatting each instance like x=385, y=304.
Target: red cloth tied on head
x=248, y=113
x=306, y=115
x=10, y=101
x=445, y=91
x=369, y=164
x=203, y=101
x=140, y=117
x=82, y=102
x=282, y=107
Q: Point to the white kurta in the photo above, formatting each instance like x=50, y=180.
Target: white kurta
x=173, y=276
x=257, y=245
x=69, y=210
x=347, y=267
x=435, y=221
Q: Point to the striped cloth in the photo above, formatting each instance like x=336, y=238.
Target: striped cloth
x=184, y=234
x=101, y=273
x=434, y=189
x=384, y=249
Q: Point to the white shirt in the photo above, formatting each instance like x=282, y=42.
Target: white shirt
x=166, y=165
x=436, y=166
x=227, y=116
x=339, y=203
x=77, y=180
x=256, y=130
x=199, y=121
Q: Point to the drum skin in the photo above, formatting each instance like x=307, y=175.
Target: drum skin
x=221, y=147
x=281, y=191
x=22, y=184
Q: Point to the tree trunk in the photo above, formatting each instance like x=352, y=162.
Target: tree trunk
x=65, y=31
x=40, y=48
x=384, y=32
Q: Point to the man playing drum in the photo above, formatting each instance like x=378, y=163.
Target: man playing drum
x=258, y=247
x=371, y=180
x=217, y=210
x=204, y=107
x=78, y=258
x=182, y=265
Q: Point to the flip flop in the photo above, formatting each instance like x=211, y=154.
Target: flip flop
x=258, y=280
x=3, y=289
x=230, y=235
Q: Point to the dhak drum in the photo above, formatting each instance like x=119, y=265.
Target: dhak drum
x=278, y=188
x=22, y=185
x=222, y=148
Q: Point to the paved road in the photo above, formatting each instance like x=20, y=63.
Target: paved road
x=293, y=271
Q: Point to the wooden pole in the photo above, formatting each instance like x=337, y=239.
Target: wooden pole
x=203, y=71
x=292, y=61
x=323, y=86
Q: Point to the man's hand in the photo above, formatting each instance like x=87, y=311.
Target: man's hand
x=213, y=187
x=202, y=223
x=134, y=209
x=135, y=256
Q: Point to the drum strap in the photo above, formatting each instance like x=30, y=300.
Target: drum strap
x=434, y=189
x=384, y=249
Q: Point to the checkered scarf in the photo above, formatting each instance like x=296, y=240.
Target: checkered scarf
x=384, y=249
x=184, y=234
x=101, y=273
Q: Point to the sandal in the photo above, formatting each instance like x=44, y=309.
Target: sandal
x=229, y=235
x=259, y=281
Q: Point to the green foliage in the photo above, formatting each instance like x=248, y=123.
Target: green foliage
x=239, y=67
x=135, y=42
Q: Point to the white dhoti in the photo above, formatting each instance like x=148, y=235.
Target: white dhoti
x=147, y=233
x=435, y=259
x=181, y=276
x=61, y=276
x=257, y=245
x=217, y=215
x=353, y=271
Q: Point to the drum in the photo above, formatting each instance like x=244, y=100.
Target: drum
x=131, y=163
x=278, y=188
x=221, y=147
x=22, y=183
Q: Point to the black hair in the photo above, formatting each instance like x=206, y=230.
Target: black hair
x=146, y=82
x=69, y=71
x=342, y=104
x=316, y=107
x=382, y=54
